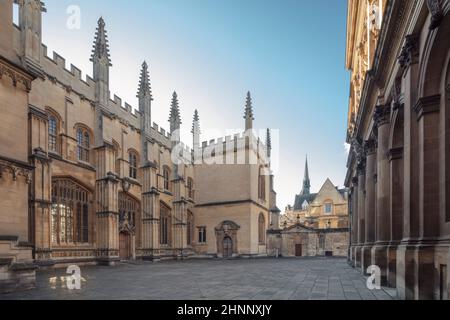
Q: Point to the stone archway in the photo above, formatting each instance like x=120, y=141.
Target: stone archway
x=227, y=244
x=129, y=209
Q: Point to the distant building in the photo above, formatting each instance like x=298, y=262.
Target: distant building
x=317, y=224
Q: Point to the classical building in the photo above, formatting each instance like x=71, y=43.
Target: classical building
x=317, y=224
x=85, y=179
x=398, y=53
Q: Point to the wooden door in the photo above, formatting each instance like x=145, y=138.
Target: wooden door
x=124, y=246
x=298, y=250
x=227, y=247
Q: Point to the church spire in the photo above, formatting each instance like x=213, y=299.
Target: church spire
x=268, y=143
x=100, y=50
x=145, y=89
x=248, y=113
x=174, y=119
x=306, y=182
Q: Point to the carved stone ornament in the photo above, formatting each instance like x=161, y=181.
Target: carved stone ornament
x=15, y=171
x=382, y=115
x=435, y=8
x=410, y=51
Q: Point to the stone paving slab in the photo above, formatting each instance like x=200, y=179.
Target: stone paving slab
x=243, y=279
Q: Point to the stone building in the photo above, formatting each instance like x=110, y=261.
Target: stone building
x=85, y=179
x=398, y=53
x=317, y=224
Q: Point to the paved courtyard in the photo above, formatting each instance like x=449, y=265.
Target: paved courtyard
x=254, y=279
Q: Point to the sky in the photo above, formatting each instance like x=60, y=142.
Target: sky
x=290, y=54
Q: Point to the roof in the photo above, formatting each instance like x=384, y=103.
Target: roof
x=300, y=199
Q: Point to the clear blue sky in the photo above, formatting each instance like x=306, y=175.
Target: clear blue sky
x=288, y=53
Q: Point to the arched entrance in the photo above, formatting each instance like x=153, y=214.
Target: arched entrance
x=227, y=244
x=125, y=246
x=227, y=247
x=128, y=215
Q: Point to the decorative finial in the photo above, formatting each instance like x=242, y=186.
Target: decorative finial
x=269, y=143
x=101, y=47
x=174, y=119
x=144, y=83
x=196, y=123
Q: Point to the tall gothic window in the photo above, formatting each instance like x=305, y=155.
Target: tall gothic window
x=190, y=228
x=69, y=212
x=166, y=178
x=133, y=159
x=328, y=208
x=261, y=184
x=83, y=145
x=164, y=225
x=262, y=229
x=52, y=134
x=190, y=188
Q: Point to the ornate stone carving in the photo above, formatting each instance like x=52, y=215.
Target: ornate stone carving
x=410, y=52
x=396, y=94
x=370, y=146
x=16, y=76
x=435, y=8
x=15, y=171
x=382, y=115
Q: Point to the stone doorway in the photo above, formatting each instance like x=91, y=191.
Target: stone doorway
x=227, y=247
x=125, y=246
x=227, y=244
x=298, y=250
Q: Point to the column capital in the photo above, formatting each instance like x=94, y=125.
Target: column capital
x=427, y=105
x=382, y=115
x=409, y=54
x=370, y=146
x=435, y=8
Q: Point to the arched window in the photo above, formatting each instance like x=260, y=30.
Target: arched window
x=52, y=134
x=83, y=144
x=166, y=178
x=190, y=188
x=261, y=229
x=128, y=210
x=69, y=212
x=190, y=228
x=261, y=184
x=133, y=159
x=328, y=208
x=164, y=225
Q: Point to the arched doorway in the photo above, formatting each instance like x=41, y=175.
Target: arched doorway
x=227, y=241
x=125, y=246
x=128, y=216
x=227, y=247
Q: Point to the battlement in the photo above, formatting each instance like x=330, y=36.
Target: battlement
x=73, y=77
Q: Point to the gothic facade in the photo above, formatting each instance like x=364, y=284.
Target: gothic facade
x=85, y=179
x=399, y=131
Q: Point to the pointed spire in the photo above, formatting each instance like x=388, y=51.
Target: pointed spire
x=268, y=143
x=248, y=112
x=145, y=89
x=196, y=123
x=100, y=49
x=174, y=118
x=306, y=182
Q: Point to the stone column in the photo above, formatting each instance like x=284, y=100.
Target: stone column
x=354, y=221
x=150, y=214
x=107, y=206
x=361, y=209
x=406, y=265
x=427, y=110
x=396, y=211
x=370, y=149
x=382, y=122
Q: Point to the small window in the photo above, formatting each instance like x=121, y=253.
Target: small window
x=190, y=188
x=202, y=235
x=328, y=208
x=166, y=177
x=83, y=142
x=52, y=134
x=133, y=165
x=16, y=14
